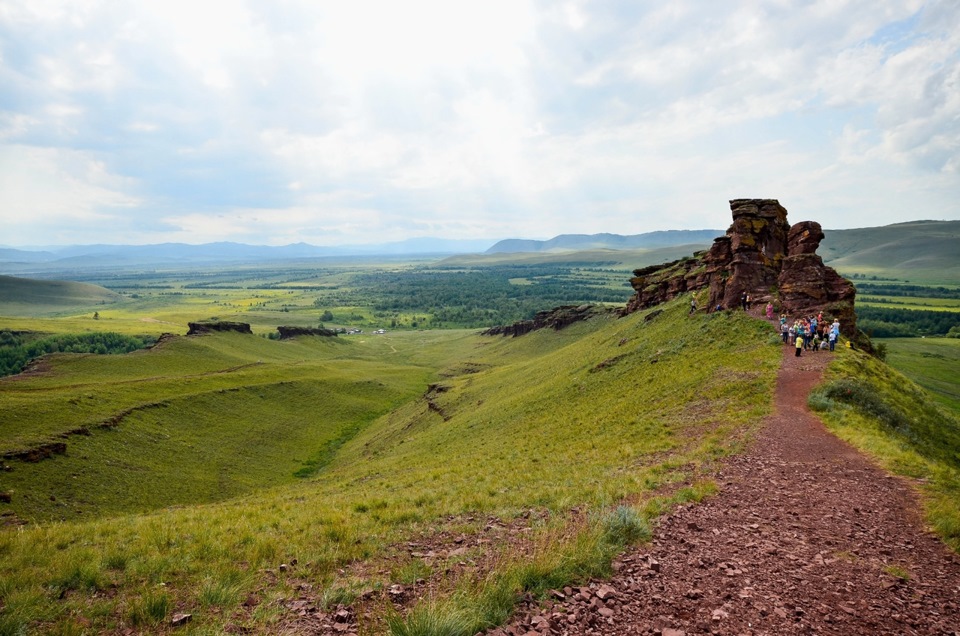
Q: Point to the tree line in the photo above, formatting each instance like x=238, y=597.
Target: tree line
x=483, y=297
x=912, y=291
x=887, y=322
x=18, y=349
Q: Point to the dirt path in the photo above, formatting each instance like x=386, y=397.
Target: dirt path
x=805, y=537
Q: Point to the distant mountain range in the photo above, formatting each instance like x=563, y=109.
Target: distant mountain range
x=924, y=247
x=576, y=242
x=14, y=260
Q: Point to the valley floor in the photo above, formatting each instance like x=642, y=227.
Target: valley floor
x=806, y=536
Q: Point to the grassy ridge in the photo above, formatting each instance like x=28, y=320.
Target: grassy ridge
x=877, y=409
x=918, y=250
x=195, y=420
x=28, y=297
x=599, y=413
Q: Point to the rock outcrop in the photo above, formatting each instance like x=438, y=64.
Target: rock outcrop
x=197, y=328
x=762, y=256
x=292, y=332
x=556, y=319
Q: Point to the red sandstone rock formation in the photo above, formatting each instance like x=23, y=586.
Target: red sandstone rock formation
x=761, y=255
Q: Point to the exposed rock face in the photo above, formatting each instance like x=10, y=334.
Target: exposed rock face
x=805, y=282
x=291, y=332
x=41, y=452
x=556, y=318
x=197, y=328
x=761, y=255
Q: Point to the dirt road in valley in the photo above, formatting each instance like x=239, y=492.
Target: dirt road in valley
x=806, y=537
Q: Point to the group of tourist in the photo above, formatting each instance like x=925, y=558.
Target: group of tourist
x=811, y=333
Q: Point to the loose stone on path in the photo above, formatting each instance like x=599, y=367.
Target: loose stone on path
x=806, y=536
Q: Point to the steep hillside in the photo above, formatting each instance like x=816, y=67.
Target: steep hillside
x=28, y=297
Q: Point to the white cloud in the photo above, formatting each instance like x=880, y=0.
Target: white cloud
x=367, y=121
x=47, y=195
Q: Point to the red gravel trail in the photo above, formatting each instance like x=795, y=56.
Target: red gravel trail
x=806, y=536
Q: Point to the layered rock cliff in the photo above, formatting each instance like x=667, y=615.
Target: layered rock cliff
x=763, y=256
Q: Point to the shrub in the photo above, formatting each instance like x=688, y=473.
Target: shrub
x=861, y=396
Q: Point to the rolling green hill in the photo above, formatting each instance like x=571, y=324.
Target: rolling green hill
x=396, y=432
x=626, y=258
x=29, y=297
x=918, y=250
x=224, y=456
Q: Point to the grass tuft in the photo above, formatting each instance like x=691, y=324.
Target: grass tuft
x=625, y=526
x=82, y=576
x=150, y=609
x=222, y=591
x=434, y=619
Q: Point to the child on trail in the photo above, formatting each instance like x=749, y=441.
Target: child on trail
x=799, y=345
x=769, y=311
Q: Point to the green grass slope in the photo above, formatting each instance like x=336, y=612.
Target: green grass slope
x=933, y=363
x=597, y=428
x=917, y=251
x=194, y=420
x=877, y=409
x=590, y=417
x=28, y=297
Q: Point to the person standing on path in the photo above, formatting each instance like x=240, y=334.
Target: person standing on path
x=799, y=344
x=693, y=305
x=743, y=301
x=769, y=311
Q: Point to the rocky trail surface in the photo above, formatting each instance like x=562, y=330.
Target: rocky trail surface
x=805, y=537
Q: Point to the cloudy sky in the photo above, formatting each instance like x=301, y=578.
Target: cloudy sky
x=364, y=122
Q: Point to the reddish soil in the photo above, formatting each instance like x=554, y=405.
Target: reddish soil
x=806, y=536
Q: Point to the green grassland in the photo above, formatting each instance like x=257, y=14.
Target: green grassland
x=195, y=419
x=596, y=415
x=933, y=363
x=627, y=260
x=396, y=295
x=917, y=303
x=228, y=454
x=918, y=250
x=27, y=297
